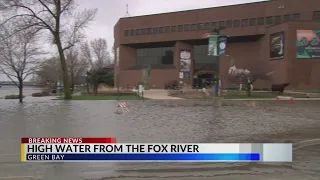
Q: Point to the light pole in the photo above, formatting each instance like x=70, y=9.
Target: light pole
x=217, y=32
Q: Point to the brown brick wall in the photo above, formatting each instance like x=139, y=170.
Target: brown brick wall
x=301, y=73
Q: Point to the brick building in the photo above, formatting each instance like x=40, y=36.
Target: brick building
x=253, y=29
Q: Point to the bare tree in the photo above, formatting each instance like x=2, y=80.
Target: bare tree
x=77, y=66
x=56, y=16
x=100, y=52
x=49, y=73
x=96, y=54
x=18, y=55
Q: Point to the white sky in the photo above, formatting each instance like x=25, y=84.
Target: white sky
x=109, y=12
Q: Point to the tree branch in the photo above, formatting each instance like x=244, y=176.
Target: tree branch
x=47, y=8
x=33, y=15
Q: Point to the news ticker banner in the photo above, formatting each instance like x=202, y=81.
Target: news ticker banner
x=106, y=149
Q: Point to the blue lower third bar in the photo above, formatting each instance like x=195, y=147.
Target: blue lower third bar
x=145, y=157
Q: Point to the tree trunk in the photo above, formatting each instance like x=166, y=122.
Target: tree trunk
x=95, y=89
x=88, y=90
x=72, y=81
x=249, y=90
x=65, y=76
x=20, y=90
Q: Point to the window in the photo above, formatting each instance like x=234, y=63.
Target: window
x=253, y=21
x=126, y=33
x=296, y=16
x=138, y=32
x=244, y=22
x=206, y=26
x=286, y=17
x=149, y=31
x=229, y=24
x=201, y=58
x=277, y=19
x=316, y=15
x=222, y=24
x=161, y=29
x=236, y=23
x=180, y=28
x=200, y=26
x=261, y=21
x=155, y=30
x=173, y=28
x=186, y=27
x=144, y=31
x=193, y=27
x=132, y=33
x=214, y=25
x=269, y=20
x=155, y=56
x=167, y=29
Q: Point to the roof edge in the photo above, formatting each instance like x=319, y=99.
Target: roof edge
x=258, y=2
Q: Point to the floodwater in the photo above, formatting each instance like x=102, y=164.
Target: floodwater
x=162, y=122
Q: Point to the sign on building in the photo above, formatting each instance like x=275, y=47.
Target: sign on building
x=308, y=44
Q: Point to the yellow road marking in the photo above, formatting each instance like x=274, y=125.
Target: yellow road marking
x=16, y=177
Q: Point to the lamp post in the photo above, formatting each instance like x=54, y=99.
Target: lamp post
x=217, y=32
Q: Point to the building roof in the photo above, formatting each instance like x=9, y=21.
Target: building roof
x=197, y=9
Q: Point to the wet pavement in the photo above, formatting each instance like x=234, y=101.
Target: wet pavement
x=163, y=122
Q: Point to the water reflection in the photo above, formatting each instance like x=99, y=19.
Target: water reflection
x=154, y=121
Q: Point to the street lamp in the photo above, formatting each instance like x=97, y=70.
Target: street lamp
x=217, y=30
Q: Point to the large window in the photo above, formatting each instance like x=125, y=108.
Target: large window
x=316, y=15
x=296, y=16
x=222, y=24
x=253, y=21
x=269, y=20
x=186, y=27
x=244, y=22
x=167, y=29
x=126, y=33
x=193, y=27
x=201, y=58
x=287, y=17
x=206, y=26
x=229, y=24
x=236, y=23
x=277, y=19
x=173, y=28
x=155, y=56
x=261, y=21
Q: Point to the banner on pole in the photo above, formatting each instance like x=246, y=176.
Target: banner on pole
x=222, y=44
x=212, y=48
x=217, y=45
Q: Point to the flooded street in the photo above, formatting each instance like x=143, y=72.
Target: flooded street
x=160, y=122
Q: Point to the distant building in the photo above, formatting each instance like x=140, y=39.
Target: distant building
x=262, y=35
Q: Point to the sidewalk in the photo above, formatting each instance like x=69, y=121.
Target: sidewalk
x=158, y=94
x=161, y=94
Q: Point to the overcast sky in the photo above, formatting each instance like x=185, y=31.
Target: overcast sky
x=109, y=12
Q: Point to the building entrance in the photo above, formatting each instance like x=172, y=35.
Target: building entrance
x=204, y=79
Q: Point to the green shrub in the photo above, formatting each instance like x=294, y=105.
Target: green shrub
x=13, y=96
